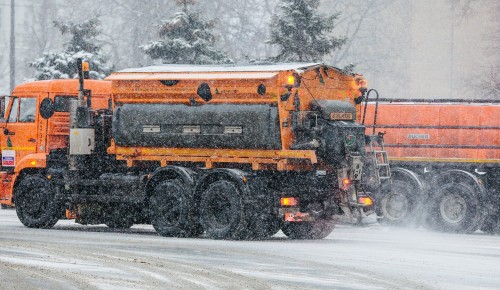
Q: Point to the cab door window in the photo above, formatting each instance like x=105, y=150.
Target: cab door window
x=27, y=110
x=14, y=111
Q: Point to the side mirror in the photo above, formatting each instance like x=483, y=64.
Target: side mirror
x=47, y=108
x=2, y=109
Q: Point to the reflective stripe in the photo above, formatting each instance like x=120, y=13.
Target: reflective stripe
x=19, y=148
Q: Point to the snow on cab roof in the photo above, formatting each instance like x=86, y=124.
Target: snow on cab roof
x=183, y=72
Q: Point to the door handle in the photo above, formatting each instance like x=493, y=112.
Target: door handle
x=7, y=132
x=32, y=140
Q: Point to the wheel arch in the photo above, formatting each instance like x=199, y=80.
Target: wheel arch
x=399, y=172
x=186, y=175
x=32, y=161
x=234, y=175
x=461, y=176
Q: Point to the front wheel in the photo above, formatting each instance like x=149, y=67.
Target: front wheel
x=36, y=206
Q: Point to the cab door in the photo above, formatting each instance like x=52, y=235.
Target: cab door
x=19, y=134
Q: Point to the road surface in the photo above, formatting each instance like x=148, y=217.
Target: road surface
x=72, y=256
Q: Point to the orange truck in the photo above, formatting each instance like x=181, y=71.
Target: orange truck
x=235, y=152
x=445, y=162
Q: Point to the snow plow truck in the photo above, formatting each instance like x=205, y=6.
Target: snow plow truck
x=232, y=152
x=445, y=162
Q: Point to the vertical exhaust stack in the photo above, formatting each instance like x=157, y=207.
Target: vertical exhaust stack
x=82, y=136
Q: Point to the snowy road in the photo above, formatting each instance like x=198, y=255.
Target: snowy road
x=370, y=257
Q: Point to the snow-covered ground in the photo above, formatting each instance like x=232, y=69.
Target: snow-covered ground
x=71, y=256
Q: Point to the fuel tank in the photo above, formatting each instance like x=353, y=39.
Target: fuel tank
x=231, y=126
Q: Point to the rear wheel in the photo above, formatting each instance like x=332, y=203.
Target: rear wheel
x=455, y=208
x=170, y=208
x=402, y=200
x=222, y=211
x=36, y=206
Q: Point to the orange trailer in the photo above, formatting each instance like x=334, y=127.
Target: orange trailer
x=445, y=157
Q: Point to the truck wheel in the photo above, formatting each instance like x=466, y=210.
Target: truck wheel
x=455, y=208
x=222, y=211
x=402, y=202
x=36, y=206
x=170, y=207
x=119, y=216
x=317, y=229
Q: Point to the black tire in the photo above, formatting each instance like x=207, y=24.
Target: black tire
x=120, y=216
x=491, y=225
x=401, y=203
x=170, y=208
x=455, y=207
x=222, y=212
x=36, y=206
x=4, y=206
x=317, y=229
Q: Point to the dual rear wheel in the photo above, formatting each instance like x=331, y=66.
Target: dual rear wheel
x=456, y=204
x=224, y=209
x=171, y=210
x=453, y=203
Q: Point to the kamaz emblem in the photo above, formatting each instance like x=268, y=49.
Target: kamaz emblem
x=419, y=136
x=350, y=139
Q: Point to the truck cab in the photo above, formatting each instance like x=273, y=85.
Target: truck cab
x=26, y=137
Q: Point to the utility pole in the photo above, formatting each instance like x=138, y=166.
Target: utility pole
x=452, y=44
x=12, y=46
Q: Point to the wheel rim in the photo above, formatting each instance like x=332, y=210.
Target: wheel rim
x=220, y=207
x=453, y=208
x=396, y=206
x=38, y=202
x=219, y=210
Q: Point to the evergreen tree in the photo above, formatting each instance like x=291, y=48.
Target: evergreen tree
x=82, y=44
x=186, y=39
x=301, y=33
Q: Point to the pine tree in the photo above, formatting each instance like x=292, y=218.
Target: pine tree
x=82, y=44
x=186, y=38
x=301, y=33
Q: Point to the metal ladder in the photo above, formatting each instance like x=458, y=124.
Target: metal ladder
x=379, y=154
x=380, y=160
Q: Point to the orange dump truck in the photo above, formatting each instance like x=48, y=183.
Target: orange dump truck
x=235, y=152
x=445, y=160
